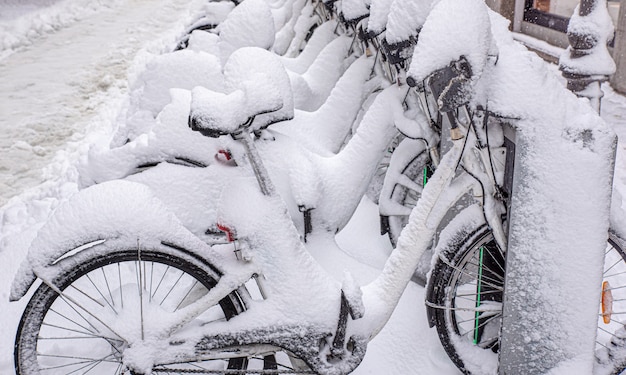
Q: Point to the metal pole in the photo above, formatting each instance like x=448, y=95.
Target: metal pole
x=587, y=62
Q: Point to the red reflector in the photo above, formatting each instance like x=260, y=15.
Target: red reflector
x=225, y=154
x=230, y=233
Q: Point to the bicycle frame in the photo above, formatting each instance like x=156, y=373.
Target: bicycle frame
x=336, y=357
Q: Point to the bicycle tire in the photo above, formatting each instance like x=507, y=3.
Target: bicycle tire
x=68, y=334
x=455, y=293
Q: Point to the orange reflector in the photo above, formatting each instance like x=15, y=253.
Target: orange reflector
x=607, y=302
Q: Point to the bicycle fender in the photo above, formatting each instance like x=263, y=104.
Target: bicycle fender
x=105, y=217
x=402, y=156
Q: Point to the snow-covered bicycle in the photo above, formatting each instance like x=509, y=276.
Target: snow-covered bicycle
x=466, y=286
x=121, y=272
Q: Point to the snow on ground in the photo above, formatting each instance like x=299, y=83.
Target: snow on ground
x=23, y=21
x=64, y=91
x=59, y=83
x=69, y=85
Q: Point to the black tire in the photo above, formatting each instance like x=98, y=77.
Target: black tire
x=453, y=291
x=76, y=333
x=469, y=273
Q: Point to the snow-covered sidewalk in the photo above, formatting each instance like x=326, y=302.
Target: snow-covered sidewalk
x=53, y=86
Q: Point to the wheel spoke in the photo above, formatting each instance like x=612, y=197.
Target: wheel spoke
x=614, y=265
x=68, y=299
x=472, y=318
x=500, y=275
x=151, y=279
x=482, y=293
x=187, y=294
x=119, y=274
x=172, y=288
x=160, y=282
x=82, y=359
x=74, y=322
x=106, y=281
x=496, y=284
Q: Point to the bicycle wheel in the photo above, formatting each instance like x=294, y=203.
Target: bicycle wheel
x=88, y=327
x=405, y=194
x=418, y=171
x=467, y=288
x=611, y=348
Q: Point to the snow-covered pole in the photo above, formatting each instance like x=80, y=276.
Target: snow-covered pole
x=586, y=63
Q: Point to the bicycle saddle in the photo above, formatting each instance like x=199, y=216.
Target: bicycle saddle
x=257, y=93
x=214, y=113
x=377, y=22
x=353, y=11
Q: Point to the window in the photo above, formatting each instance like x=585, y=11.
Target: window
x=555, y=14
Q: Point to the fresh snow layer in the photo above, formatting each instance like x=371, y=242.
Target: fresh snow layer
x=405, y=345
x=452, y=30
x=406, y=18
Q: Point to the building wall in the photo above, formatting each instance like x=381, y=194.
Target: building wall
x=618, y=81
x=514, y=9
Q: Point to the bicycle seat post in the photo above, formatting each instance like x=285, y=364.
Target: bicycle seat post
x=262, y=176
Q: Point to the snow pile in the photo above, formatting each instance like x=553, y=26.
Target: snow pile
x=168, y=138
x=31, y=21
x=322, y=36
x=261, y=72
x=257, y=87
x=379, y=11
x=593, y=31
x=248, y=25
x=406, y=18
x=452, y=30
x=326, y=129
x=144, y=220
x=183, y=69
x=291, y=32
x=311, y=88
x=354, y=9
